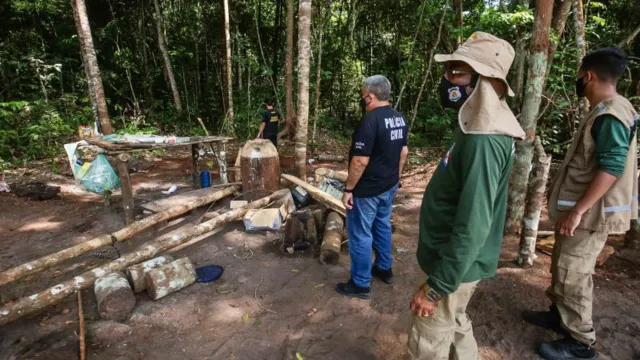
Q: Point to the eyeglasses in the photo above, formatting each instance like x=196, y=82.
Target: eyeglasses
x=452, y=72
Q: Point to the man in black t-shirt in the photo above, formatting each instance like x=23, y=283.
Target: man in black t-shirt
x=269, y=126
x=376, y=159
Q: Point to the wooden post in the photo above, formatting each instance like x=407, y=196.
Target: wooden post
x=137, y=273
x=36, y=302
x=126, y=188
x=533, y=208
x=114, y=296
x=170, y=278
x=332, y=239
x=125, y=233
x=195, y=172
x=82, y=352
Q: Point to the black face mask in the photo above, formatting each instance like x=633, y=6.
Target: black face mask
x=363, y=104
x=581, y=86
x=452, y=95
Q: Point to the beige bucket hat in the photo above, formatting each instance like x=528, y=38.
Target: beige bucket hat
x=488, y=55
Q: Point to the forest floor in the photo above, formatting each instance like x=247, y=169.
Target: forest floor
x=227, y=319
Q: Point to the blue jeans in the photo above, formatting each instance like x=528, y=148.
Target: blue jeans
x=369, y=225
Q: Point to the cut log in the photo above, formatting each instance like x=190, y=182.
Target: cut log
x=136, y=273
x=36, y=302
x=114, y=296
x=331, y=174
x=45, y=262
x=310, y=231
x=330, y=157
x=332, y=239
x=293, y=231
x=170, y=278
x=324, y=198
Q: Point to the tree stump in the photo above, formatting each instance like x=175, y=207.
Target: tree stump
x=310, y=231
x=293, y=231
x=137, y=273
x=115, y=297
x=332, y=239
x=170, y=278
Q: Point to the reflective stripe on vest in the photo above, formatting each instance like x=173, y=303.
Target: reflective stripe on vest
x=607, y=209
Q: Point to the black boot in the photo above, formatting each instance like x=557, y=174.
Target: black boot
x=567, y=349
x=385, y=276
x=546, y=319
x=350, y=289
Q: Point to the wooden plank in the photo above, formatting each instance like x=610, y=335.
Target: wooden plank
x=178, y=199
x=324, y=198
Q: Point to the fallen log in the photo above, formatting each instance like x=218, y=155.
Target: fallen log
x=324, y=198
x=170, y=278
x=332, y=239
x=322, y=173
x=50, y=260
x=137, y=273
x=114, y=296
x=34, y=303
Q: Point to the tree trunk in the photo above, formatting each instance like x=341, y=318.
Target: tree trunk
x=459, y=9
x=560, y=16
x=31, y=304
x=629, y=39
x=290, y=109
x=227, y=41
x=332, y=239
x=316, y=109
x=125, y=233
x=581, y=43
x=534, y=205
x=304, y=54
x=96, y=91
x=168, y=69
x=416, y=106
x=530, y=108
x=520, y=63
x=632, y=239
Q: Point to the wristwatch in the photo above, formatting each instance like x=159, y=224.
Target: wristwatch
x=348, y=191
x=431, y=294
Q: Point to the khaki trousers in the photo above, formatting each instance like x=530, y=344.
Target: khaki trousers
x=447, y=334
x=572, y=266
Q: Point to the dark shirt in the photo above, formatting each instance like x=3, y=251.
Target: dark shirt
x=270, y=120
x=381, y=135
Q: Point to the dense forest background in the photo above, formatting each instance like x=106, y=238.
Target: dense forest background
x=44, y=94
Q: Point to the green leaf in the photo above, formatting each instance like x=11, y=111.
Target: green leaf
x=245, y=318
x=299, y=356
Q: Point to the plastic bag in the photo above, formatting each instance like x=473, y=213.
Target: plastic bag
x=96, y=176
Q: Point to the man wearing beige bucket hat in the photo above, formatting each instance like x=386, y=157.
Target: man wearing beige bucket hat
x=464, y=206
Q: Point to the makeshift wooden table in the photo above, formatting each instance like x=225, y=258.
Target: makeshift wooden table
x=119, y=151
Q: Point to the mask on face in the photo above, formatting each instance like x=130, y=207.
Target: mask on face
x=363, y=104
x=581, y=86
x=452, y=95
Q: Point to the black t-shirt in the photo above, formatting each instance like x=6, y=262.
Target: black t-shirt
x=381, y=135
x=270, y=120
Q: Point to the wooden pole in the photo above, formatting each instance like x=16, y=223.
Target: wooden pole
x=48, y=261
x=326, y=199
x=126, y=188
x=82, y=353
x=31, y=304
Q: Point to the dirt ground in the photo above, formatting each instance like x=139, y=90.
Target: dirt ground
x=272, y=306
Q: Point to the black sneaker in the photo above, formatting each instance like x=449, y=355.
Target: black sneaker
x=385, y=275
x=350, y=289
x=546, y=319
x=567, y=349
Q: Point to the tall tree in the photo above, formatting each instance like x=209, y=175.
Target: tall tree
x=94, y=80
x=316, y=108
x=168, y=68
x=304, y=54
x=288, y=88
x=228, y=71
x=560, y=16
x=539, y=50
x=520, y=62
x=581, y=43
